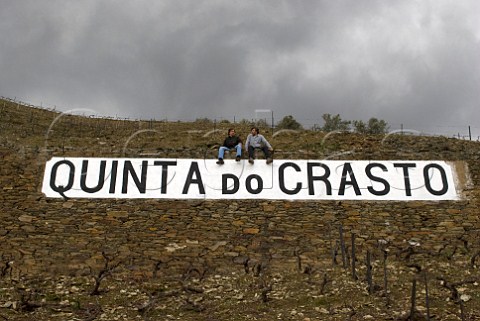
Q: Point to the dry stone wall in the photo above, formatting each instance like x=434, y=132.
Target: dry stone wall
x=68, y=236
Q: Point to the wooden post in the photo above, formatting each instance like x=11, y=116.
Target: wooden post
x=369, y=273
x=354, y=273
x=385, y=279
x=414, y=290
x=342, y=246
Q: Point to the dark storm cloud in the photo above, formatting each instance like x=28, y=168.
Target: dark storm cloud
x=408, y=62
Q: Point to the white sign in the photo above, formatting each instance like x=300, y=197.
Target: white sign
x=165, y=178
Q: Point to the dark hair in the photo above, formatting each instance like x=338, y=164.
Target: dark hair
x=230, y=129
x=256, y=129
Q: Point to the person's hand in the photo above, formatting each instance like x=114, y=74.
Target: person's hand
x=271, y=149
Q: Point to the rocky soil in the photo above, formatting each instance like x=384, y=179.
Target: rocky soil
x=446, y=288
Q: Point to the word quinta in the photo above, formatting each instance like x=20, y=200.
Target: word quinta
x=284, y=179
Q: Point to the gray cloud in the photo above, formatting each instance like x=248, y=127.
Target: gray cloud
x=408, y=62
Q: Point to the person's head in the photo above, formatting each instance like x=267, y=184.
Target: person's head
x=231, y=132
x=255, y=131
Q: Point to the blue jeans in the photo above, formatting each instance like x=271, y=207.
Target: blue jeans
x=222, y=149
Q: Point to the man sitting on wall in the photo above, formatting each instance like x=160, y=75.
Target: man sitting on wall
x=257, y=141
x=232, y=141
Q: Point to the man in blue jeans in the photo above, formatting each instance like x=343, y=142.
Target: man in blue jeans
x=232, y=141
x=255, y=140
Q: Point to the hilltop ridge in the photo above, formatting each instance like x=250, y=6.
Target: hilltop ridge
x=70, y=135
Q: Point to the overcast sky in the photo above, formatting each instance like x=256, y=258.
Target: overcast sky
x=415, y=63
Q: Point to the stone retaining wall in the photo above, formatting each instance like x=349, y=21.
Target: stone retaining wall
x=44, y=236
x=56, y=236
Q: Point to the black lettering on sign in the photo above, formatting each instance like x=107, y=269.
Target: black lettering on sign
x=281, y=178
x=190, y=180
x=428, y=185
x=248, y=183
x=113, y=177
x=368, y=171
x=406, y=176
x=140, y=183
x=164, y=164
x=53, y=177
x=347, y=168
x=101, y=177
x=323, y=178
x=236, y=184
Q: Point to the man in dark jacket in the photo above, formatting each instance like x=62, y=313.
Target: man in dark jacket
x=232, y=141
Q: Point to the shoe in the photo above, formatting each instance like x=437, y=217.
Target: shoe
x=269, y=160
x=250, y=160
x=220, y=161
x=238, y=158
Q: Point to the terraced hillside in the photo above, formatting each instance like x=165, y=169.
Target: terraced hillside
x=128, y=259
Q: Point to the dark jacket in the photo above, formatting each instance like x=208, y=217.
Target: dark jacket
x=231, y=142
